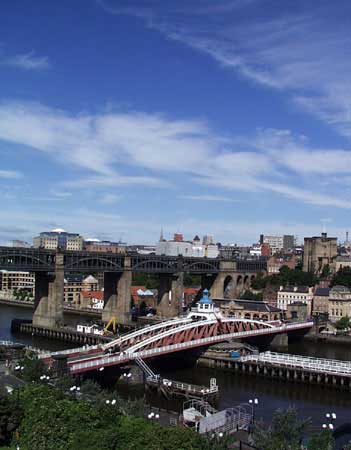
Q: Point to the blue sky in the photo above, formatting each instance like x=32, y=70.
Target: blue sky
x=229, y=117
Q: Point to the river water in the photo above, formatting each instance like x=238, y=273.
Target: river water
x=310, y=401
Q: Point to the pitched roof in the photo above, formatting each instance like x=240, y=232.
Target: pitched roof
x=93, y=294
x=322, y=292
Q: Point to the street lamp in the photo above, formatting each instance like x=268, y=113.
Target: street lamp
x=254, y=403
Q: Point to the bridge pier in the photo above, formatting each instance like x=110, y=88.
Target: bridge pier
x=280, y=341
x=49, y=296
x=170, y=295
x=117, y=295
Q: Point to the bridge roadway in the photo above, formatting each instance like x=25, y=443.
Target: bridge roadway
x=168, y=337
x=41, y=260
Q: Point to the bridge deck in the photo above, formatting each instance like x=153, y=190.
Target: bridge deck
x=311, y=364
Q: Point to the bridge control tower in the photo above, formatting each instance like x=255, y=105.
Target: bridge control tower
x=206, y=308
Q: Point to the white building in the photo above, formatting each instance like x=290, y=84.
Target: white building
x=187, y=248
x=292, y=294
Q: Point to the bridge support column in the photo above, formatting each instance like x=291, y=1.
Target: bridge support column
x=280, y=341
x=117, y=295
x=170, y=295
x=49, y=296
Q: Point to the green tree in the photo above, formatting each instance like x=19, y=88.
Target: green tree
x=342, y=277
x=285, y=432
x=10, y=417
x=33, y=369
x=249, y=295
x=321, y=441
x=343, y=323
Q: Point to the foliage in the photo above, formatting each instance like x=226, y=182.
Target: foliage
x=150, y=281
x=342, y=277
x=343, y=323
x=285, y=432
x=347, y=446
x=322, y=441
x=10, y=417
x=285, y=277
x=22, y=294
x=53, y=421
x=33, y=369
x=249, y=295
x=326, y=271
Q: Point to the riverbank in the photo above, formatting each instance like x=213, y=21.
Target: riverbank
x=329, y=338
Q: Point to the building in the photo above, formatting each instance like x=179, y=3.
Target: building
x=59, y=239
x=297, y=311
x=95, y=245
x=11, y=281
x=320, y=304
x=75, y=284
x=276, y=262
x=319, y=251
x=291, y=294
x=278, y=243
x=92, y=299
x=341, y=262
x=140, y=294
x=248, y=309
x=208, y=239
x=18, y=243
x=177, y=246
x=233, y=251
x=339, y=303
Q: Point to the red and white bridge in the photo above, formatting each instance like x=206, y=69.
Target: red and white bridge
x=174, y=335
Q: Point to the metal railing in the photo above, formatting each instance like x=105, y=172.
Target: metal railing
x=144, y=330
x=330, y=366
x=115, y=359
x=185, y=387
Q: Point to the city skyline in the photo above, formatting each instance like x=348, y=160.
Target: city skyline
x=225, y=119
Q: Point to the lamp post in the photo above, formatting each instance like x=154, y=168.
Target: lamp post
x=254, y=403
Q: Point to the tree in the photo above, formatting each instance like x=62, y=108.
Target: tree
x=322, y=441
x=249, y=295
x=342, y=277
x=285, y=433
x=33, y=369
x=343, y=323
x=10, y=417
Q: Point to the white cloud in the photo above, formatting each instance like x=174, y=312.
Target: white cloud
x=208, y=198
x=110, y=199
x=10, y=174
x=26, y=61
x=131, y=148
x=303, y=51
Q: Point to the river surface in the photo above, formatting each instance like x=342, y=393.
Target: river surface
x=311, y=401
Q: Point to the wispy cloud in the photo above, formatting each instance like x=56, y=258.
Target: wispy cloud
x=110, y=199
x=26, y=61
x=304, y=53
x=10, y=174
x=133, y=148
x=208, y=198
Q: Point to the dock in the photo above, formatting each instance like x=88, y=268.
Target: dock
x=285, y=367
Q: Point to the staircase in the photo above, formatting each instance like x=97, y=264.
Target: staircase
x=145, y=368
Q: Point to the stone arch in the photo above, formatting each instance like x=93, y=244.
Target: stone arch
x=252, y=278
x=239, y=285
x=265, y=317
x=228, y=287
x=256, y=316
x=247, y=316
x=247, y=282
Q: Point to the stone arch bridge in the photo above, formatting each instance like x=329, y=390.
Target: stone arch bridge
x=223, y=278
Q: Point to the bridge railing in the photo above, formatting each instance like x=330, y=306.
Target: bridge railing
x=115, y=359
x=331, y=366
